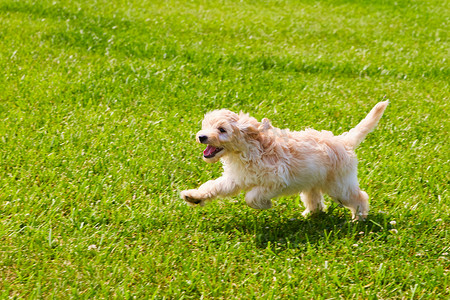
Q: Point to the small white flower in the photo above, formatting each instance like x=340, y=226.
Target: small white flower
x=393, y=223
x=92, y=247
x=361, y=233
x=355, y=245
x=395, y=231
x=439, y=220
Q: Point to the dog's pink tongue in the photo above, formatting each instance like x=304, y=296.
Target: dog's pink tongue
x=209, y=150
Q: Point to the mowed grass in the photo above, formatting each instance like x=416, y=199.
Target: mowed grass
x=99, y=105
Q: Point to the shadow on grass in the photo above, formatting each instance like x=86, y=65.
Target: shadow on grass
x=271, y=228
x=320, y=228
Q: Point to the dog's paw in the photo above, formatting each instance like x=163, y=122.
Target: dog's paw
x=192, y=197
x=309, y=213
x=306, y=213
x=359, y=218
x=266, y=204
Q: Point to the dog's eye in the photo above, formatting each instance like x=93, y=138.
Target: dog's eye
x=222, y=130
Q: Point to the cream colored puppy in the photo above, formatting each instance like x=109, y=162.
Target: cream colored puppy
x=267, y=162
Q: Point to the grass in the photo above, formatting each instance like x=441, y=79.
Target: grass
x=99, y=104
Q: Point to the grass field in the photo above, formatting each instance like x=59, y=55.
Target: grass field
x=99, y=105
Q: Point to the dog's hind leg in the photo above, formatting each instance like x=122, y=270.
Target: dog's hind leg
x=259, y=198
x=313, y=201
x=359, y=204
x=352, y=197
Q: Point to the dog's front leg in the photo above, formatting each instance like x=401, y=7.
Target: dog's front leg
x=259, y=198
x=221, y=187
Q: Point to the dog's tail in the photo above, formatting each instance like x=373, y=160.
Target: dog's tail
x=356, y=135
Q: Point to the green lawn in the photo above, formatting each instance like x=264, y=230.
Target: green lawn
x=99, y=105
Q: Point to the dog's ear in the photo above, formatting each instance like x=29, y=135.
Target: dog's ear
x=249, y=126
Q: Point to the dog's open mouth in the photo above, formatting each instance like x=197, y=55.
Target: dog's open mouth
x=211, y=151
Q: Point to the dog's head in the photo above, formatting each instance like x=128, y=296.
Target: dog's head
x=226, y=132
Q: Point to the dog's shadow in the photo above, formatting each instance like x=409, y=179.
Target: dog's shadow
x=272, y=228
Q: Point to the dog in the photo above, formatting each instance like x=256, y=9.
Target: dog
x=267, y=162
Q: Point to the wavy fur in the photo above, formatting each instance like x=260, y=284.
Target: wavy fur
x=267, y=162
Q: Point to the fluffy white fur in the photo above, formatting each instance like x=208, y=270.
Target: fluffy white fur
x=267, y=162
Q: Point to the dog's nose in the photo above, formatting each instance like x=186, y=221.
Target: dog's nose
x=202, y=138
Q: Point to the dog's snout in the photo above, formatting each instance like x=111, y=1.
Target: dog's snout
x=202, y=138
